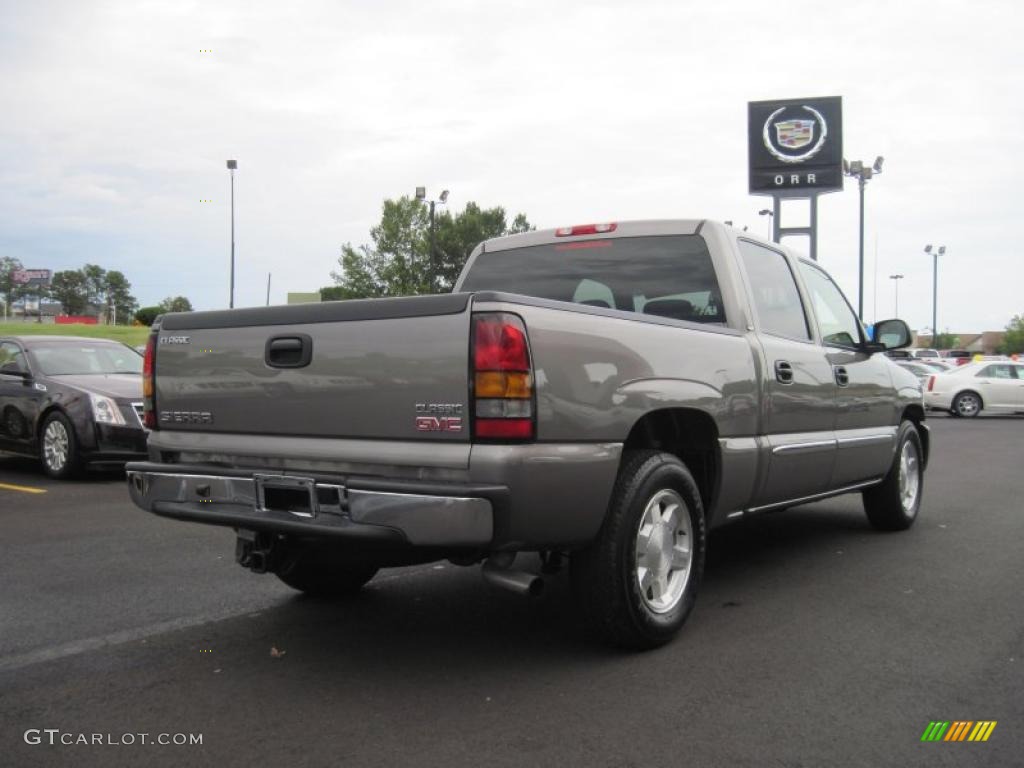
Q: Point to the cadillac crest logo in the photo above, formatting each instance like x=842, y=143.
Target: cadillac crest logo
x=793, y=134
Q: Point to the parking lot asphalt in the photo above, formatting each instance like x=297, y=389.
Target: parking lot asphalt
x=816, y=641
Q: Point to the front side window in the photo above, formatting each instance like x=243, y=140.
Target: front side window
x=777, y=303
x=997, y=372
x=12, y=360
x=669, y=275
x=837, y=321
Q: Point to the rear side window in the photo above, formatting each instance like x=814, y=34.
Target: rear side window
x=773, y=288
x=998, y=372
x=669, y=276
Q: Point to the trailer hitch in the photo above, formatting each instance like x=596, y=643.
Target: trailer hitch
x=259, y=552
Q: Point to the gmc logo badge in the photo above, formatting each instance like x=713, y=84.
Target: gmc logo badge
x=438, y=423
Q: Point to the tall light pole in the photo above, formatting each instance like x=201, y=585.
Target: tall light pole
x=863, y=174
x=232, y=165
x=771, y=219
x=941, y=251
x=896, y=283
x=421, y=194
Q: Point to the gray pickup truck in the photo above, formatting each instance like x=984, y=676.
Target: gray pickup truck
x=603, y=393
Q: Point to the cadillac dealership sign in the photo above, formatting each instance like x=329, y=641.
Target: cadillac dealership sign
x=31, y=276
x=795, y=145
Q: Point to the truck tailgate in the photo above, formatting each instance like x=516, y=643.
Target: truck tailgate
x=383, y=368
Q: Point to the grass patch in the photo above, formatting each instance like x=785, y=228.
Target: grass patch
x=131, y=335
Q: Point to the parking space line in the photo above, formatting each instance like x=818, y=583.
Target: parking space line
x=22, y=488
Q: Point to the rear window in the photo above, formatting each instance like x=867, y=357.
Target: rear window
x=669, y=276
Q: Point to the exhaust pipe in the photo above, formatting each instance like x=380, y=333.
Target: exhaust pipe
x=498, y=571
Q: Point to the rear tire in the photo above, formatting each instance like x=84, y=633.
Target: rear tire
x=320, y=573
x=637, y=583
x=967, y=404
x=893, y=505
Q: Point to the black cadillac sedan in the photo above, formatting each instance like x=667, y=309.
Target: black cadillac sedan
x=72, y=402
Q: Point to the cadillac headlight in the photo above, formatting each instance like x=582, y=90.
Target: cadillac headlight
x=105, y=410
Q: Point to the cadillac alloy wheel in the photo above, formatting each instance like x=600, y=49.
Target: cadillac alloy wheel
x=58, y=449
x=967, y=405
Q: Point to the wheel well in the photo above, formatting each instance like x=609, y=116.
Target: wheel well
x=42, y=419
x=915, y=414
x=689, y=434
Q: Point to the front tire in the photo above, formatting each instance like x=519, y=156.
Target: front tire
x=637, y=583
x=967, y=404
x=321, y=573
x=58, y=447
x=893, y=505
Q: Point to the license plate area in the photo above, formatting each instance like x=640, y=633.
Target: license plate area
x=281, y=493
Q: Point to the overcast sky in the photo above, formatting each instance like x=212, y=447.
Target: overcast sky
x=115, y=123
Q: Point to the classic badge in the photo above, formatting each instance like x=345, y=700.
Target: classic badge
x=793, y=134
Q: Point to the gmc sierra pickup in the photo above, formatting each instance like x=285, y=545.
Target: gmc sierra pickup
x=606, y=393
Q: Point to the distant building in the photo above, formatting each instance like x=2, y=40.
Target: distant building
x=986, y=343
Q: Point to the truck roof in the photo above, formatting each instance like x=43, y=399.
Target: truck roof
x=634, y=228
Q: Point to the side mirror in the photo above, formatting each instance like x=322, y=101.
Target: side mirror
x=892, y=334
x=11, y=368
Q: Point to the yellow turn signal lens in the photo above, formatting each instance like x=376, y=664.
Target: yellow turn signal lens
x=147, y=386
x=505, y=385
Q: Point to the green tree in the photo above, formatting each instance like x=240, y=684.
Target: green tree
x=176, y=304
x=9, y=290
x=399, y=263
x=1013, y=339
x=332, y=293
x=71, y=289
x=95, y=278
x=120, y=302
x=146, y=315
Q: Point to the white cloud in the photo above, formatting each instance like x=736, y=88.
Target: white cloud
x=116, y=125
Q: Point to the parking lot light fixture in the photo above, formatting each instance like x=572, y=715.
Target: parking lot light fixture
x=863, y=174
x=232, y=166
x=421, y=194
x=896, y=283
x=935, y=253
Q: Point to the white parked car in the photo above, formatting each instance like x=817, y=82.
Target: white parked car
x=971, y=388
x=925, y=354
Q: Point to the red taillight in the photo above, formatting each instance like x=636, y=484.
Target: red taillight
x=502, y=378
x=931, y=382
x=149, y=384
x=515, y=429
x=499, y=344
x=586, y=229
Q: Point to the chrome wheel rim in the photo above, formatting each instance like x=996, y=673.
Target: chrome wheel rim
x=664, y=551
x=967, y=405
x=55, y=446
x=910, y=477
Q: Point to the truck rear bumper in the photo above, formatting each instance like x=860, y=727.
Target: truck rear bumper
x=302, y=504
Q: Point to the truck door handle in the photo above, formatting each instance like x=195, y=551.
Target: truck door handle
x=292, y=351
x=842, y=377
x=783, y=372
